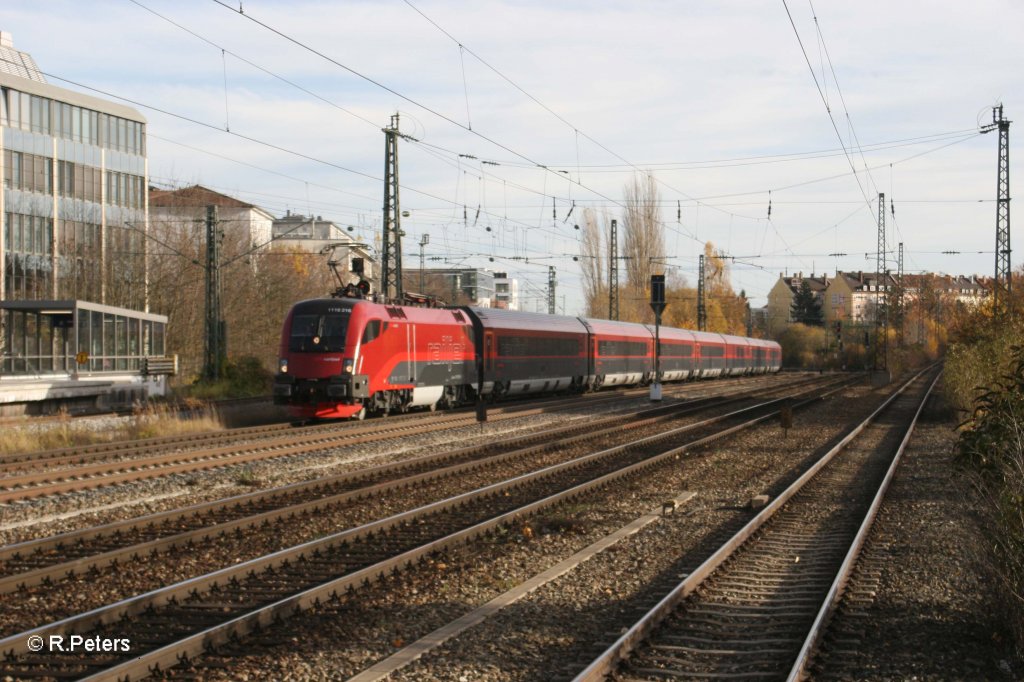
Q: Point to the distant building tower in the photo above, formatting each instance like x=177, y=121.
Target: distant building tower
x=184, y=211
x=506, y=291
x=314, y=234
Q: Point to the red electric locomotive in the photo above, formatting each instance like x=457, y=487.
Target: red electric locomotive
x=345, y=357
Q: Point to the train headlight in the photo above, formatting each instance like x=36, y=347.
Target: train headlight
x=347, y=365
x=282, y=365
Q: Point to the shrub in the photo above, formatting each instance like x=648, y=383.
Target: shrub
x=802, y=346
x=979, y=360
x=991, y=449
x=244, y=377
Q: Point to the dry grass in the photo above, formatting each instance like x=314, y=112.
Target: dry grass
x=148, y=421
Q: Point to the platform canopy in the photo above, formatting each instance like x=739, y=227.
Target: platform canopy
x=77, y=337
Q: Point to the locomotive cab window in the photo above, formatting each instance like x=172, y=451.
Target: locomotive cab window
x=374, y=328
x=318, y=333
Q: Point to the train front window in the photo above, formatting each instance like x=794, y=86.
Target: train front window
x=312, y=333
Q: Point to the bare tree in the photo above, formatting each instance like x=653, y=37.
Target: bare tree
x=257, y=287
x=593, y=262
x=643, y=243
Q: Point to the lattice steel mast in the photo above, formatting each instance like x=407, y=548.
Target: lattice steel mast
x=899, y=299
x=613, y=271
x=551, y=290
x=881, y=314
x=391, y=242
x=1002, y=287
x=702, y=313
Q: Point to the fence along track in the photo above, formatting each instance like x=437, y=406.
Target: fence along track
x=231, y=602
x=38, y=561
x=773, y=582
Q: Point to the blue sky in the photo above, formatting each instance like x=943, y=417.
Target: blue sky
x=716, y=98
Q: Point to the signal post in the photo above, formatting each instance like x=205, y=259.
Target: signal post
x=658, y=306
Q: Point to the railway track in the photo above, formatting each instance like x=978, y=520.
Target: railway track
x=133, y=461
x=758, y=607
x=258, y=591
x=49, y=559
x=84, y=454
x=93, y=467
x=53, y=460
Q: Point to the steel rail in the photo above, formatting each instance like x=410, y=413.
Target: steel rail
x=604, y=665
x=551, y=438
x=84, y=453
x=11, y=462
x=80, y=457
x=195, y=644
x=835, y=592
x=42, y=483
x=24, y=549
x=38, y=484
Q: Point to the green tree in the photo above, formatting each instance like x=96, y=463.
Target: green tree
x=805, y=308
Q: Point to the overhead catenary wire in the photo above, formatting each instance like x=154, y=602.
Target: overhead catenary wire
x=404, y=97
x=824, y=100
x=779, y=203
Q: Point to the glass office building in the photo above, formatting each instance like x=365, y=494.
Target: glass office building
x=74, y=200
x=74, y=197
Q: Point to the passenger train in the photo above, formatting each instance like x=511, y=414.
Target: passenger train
x=348, y=357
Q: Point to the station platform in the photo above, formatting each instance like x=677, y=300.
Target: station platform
x=51, y=394
x=79, y=356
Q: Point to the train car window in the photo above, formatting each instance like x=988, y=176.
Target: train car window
x=622, y=348
x=713, y=351
x=676, y=350
x=537, y=346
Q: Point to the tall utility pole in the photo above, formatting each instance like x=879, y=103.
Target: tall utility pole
x=899, y=299
x=702, y=312
x=391, y=249
x=881, y=319
x=214, y=339
x=551, y=290
x=1002, y=285
x=424, y=240
x=613, y=271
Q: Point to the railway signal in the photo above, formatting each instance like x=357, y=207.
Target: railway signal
x=658, y=306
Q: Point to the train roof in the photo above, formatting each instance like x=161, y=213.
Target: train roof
x=708, y=337
x=672, y=333
x=736, y=340
x=386, y=312
x=617, y=328
x=498, y=318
